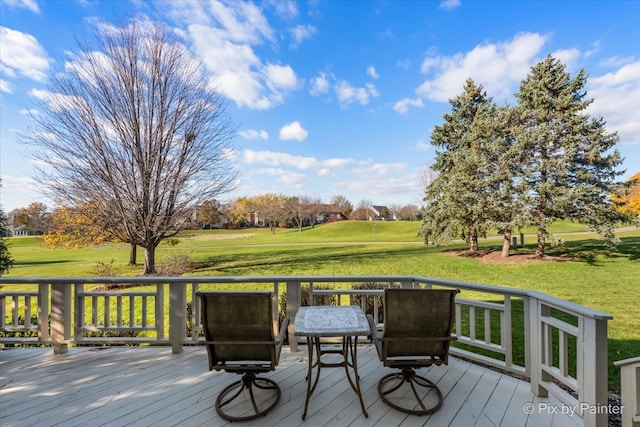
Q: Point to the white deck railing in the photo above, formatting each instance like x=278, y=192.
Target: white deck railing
x=564, y=344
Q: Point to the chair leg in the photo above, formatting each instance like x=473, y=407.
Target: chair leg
x=248, y=382
x=409, y=376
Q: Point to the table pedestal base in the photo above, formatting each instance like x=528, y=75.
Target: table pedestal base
x=349, y=347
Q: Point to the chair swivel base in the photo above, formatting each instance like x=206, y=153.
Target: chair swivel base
x=408, y=376
x=248, y=384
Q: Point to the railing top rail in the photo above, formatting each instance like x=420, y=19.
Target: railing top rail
x=548, y=299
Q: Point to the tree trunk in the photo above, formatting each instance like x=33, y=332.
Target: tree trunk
x=506, y=243
x=473, y=239
x=133, y=254
x=540, y=245
x=150, y=260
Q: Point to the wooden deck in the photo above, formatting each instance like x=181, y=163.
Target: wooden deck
x=149, y=386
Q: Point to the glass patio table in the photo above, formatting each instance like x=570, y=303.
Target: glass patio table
x=346, y=322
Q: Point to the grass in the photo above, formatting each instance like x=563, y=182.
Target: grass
x=596, y=277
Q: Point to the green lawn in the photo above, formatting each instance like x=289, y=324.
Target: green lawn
x=596, y=277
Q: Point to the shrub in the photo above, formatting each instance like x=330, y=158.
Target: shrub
x=174, y=265
x=104, y=269
x=369, y=299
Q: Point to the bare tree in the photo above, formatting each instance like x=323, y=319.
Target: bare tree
x=136, y=125
x=345, y=206
x=409, y=212
x=270, y=208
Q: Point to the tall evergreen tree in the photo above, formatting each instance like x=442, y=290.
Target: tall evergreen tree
x=501, y=159
x=6, y=262
x=570, y=162
x=457, y=198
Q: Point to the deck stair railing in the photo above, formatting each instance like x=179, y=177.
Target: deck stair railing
x=564, y=344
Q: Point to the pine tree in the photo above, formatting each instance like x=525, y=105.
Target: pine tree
x=570, y=164
x=6, y=262
x=456, y=199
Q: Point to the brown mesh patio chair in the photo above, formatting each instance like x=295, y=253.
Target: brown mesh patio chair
x=416, y=334
x=240, y=332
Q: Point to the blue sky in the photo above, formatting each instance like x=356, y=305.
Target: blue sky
x=338, y=97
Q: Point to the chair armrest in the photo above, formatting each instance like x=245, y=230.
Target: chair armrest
x=375, y=335
x=280, y=338
x=387, y=339
x=283, y=330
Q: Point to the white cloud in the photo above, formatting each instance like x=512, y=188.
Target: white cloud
x=26, y=4
x=281, y=77
x=254, y=134
x=301, y=33
x=22, y=55
x=5, y=86
x=319, y=85
x=223, y=35
x=616, y=61
x=285, y=177
x=371, y=72
x=59, y=102
x=293, y=131
x=348, y=94
x=403, y=105
x=29, y=111
x=299, y=162
x=498, y=67
x=568, y=57
x=449, y=4
x=616, y=98
x=241, y=22
x=285, y=9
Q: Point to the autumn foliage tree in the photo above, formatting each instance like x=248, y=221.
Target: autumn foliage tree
x=628, y=204
x=76, y=228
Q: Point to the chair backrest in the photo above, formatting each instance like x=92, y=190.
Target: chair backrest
x=239, y=326
x=418, y=322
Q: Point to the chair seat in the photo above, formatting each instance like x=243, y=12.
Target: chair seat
x=240, y=338
x=416, y=334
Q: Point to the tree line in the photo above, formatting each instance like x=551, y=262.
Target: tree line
x=507, y=167
x=70, y=227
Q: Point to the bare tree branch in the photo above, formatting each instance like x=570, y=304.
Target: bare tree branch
x=136, y=125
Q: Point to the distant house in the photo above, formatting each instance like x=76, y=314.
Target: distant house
x=329, y=213
x=13, y=228
x=380, y=213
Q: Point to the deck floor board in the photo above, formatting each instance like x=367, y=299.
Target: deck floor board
x=150, y=386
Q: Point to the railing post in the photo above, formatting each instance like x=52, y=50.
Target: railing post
x=60, y=317
x=294, y=300
x=592, y=370
x=177, y=315
x=630, y=391
x=534, y=346
x=43, y=312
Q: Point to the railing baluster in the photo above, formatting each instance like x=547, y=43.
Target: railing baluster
x=107, y=311
x=132, y=310
x=15, y=303
x=487, y=326
x=505, y=332
x=145, y=313
x=119, y=311
x=472, y=322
